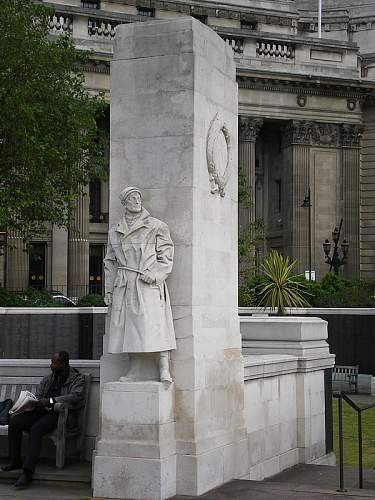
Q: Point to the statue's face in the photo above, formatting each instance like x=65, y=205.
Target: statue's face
x=133, y=203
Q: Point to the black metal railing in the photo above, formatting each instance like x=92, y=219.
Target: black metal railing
x=359, y=409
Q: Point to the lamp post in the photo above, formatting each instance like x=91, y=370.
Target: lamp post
x=307, y=204
x=3, y=254
x=336, y=261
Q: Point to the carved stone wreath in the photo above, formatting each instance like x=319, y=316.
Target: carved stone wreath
x=218, y=180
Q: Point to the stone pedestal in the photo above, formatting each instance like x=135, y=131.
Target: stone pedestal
x=136, y=454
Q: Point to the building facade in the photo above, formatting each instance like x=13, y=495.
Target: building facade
x=306, y=121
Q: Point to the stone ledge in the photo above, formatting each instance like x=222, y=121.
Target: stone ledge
x=273, y=365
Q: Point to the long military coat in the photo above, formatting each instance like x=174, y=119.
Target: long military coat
x=140, y=315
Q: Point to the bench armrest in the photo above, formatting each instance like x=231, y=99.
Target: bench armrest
x=61, y=424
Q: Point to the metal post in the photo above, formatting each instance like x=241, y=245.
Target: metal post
x=309, y=234
x=320, y=18
x=360, y=457
x=341, y=447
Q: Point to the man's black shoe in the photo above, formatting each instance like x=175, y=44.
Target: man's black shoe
x=11, y=466
x=24, y=480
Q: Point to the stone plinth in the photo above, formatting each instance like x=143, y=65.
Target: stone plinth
x=285, y=335
x=174, y=136
x=136, y=454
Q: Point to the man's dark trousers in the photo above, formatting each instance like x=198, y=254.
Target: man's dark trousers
x=37, y=423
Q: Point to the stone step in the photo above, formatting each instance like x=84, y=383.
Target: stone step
x=46, y=473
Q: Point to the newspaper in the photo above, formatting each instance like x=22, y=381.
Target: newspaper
x=25, y=402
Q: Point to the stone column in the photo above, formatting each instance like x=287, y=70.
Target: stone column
x=297, y=180
x=78, y=249
x=17, y=267
x=59, y=259
x=174, y=135
x=248, y=132
x=350, y=140
x=367, y=193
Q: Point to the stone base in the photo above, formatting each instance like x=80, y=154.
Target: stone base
x=138, y=478
x=135, y=456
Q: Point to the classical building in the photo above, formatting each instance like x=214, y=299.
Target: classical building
x=306, y=121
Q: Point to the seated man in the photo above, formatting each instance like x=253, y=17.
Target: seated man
x=65, y=385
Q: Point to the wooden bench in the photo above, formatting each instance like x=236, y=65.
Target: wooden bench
x=342, y=375
x=10, y=387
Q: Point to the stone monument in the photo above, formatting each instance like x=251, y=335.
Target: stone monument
x=174, y=135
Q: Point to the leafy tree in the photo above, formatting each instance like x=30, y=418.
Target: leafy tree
x=50, y=145
x=279, y=287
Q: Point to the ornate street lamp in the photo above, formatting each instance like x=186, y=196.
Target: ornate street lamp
x=336, y=261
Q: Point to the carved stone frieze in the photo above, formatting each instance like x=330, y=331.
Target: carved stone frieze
x=321, y=134
x=351, y=135
x=325, y=134
x=248, y=128
x=297, y=132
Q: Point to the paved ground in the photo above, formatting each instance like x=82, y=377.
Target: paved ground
x=303, y=482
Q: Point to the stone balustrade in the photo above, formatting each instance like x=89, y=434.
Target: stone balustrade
x=97, y=30
x=275, y=50
x=60, y=23
x=235, y=43
x=100, y=28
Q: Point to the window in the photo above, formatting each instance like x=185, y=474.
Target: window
x=96, y=269
x=90, y=4
x=37, y=265
x=278, y=194
x=249, y=25
x=202, y=19
x=95, y=190
x=146, y=12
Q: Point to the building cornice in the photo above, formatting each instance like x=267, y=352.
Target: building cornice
x=253, y=14
x=349, y=89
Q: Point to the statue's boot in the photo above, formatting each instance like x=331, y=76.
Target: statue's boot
x=165, y=374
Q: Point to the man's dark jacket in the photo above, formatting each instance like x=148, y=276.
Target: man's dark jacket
x=72, y=392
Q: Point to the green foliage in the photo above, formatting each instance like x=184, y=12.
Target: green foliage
x=336, y=291
x=28, y=298
x=93, y=300
x=246, y=297
x=50, y=144
x=279, y=287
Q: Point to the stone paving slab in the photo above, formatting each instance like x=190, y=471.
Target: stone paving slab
x=302, y=482
x=261, y=490
x=44, y=492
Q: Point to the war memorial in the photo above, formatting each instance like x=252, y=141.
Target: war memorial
x=187, y=396
x=212, y=421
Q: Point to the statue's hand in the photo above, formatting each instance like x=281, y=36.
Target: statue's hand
x=108, y=299
x=147, y=278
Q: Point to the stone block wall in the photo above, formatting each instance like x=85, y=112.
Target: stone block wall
x=36, y=332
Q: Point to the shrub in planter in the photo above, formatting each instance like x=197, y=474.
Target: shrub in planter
x=279, y=287
x=246, y=297
x=93, y=300
x=31, y=297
